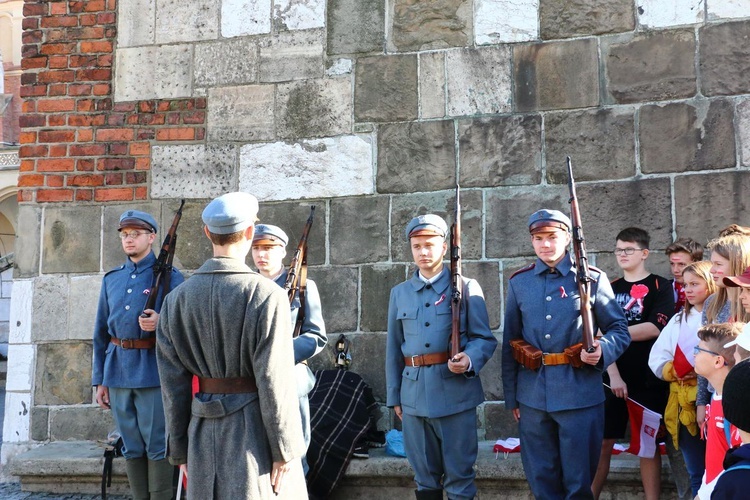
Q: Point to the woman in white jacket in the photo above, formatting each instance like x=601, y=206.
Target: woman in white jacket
x=672, y=359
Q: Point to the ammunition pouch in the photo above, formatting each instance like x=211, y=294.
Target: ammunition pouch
x=532, y=357
x=526, y=354
x=573, y=354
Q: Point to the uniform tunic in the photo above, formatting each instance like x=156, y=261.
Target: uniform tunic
x=438, y=405
x=310, y=341
x=130, y=374
x=228, y=321
x=312, y=338
x=543, y=308
x=123, y=295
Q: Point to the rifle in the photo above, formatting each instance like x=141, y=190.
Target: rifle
x=456, y=278
x=163, y=266
x=296, y=279
x=583, y=277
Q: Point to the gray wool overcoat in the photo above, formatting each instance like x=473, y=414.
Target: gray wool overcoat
x=228, y=321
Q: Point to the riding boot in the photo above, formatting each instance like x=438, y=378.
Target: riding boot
x=160, y=474
x=137, y=469
x=429, y=494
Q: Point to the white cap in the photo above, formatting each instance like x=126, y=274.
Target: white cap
x=742, y=340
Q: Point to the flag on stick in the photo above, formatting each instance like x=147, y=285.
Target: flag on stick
x=644, y=424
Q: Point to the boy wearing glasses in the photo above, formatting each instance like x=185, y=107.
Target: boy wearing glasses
x=647, y=301
x=124, y=369
x=713, y=360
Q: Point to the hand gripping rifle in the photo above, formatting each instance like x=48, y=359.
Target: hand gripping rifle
x=582, y=265
x=296, y=279
x=456, y=278
x=163, y=267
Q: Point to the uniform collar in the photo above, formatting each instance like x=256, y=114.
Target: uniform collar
x=281, y=278
x=439, y=285
x=224, y=265
x=145, y=263
x=563, y=267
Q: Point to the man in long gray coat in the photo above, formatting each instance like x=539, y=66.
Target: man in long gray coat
x=241, y=436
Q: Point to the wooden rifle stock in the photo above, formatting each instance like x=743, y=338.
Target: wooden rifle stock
x=456, y=279
x=583, y=277
x=163, y=267
x=296, y=279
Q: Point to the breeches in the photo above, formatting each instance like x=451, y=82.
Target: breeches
x=442, y=451
x=139, y=416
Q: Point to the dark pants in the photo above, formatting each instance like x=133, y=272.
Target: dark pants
x=693, y=450
x=560, y=450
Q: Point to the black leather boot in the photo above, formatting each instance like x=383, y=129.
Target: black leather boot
x=429, y=494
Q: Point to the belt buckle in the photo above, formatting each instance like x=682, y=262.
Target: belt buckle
x=544, y=356
x=124, y=343
x=413, y=362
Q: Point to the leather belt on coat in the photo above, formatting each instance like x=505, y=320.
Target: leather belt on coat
x=148, y=343
x=231, y=385
x=435, y=358
x=554, y=359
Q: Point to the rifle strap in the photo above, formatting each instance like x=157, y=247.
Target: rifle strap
x=302, y=297
x=168, y=269
x=465, y=298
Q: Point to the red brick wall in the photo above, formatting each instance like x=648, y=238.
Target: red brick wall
x=77, y=144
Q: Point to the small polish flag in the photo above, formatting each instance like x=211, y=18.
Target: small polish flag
x=506, y=446
x=644, y=425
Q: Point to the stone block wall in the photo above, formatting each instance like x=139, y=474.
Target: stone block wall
x=372, y=111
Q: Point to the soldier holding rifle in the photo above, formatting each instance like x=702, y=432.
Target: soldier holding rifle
x=436, y=395
x=124, y=369
x=553, y=385
x=269, y=250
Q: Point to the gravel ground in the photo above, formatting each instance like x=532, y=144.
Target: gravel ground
x=12, y=491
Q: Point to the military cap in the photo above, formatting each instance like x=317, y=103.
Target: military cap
x=136, y=218
x=548, y=219
x=230, y=213
x=426, y=225
x=267, y=234
x=743, y=280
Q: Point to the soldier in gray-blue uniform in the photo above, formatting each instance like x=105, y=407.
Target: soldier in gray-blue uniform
x=436, y=398
x=269, y=250
x=559, y=405
x=124, y=368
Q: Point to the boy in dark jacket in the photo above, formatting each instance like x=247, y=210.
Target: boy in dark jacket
x=734, y=481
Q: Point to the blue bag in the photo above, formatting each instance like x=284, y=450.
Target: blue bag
x=394, y=443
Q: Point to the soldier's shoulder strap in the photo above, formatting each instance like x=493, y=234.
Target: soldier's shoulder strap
x=523, y=270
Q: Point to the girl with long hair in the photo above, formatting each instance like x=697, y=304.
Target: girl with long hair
x=730, y=256
x=672, y=359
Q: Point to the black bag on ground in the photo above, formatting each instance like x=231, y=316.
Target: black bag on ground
x=112, y=449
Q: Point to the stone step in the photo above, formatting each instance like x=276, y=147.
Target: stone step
x=76, y=467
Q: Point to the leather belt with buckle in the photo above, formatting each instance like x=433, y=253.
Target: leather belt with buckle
x=554, y=359
x=435, y=358
x=148, y=343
